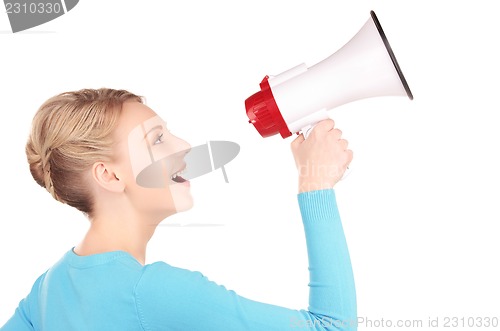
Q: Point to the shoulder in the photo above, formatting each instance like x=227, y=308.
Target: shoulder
x=167, y=295
x=37, y=287
x=162, y=277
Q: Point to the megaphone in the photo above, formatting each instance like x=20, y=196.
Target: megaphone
x=295, y=100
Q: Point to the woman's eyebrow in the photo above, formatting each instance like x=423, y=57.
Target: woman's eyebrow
x=156, y=127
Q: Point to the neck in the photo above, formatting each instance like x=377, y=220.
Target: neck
x=113, y=231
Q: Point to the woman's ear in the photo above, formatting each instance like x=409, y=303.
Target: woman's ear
x=106, y=177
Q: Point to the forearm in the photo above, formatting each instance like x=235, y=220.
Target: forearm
x=332, y=291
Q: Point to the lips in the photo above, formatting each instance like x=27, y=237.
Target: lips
x=176, y=177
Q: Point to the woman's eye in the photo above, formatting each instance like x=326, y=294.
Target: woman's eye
x=159, y=139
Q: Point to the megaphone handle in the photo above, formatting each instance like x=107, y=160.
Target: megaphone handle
x=307, y=130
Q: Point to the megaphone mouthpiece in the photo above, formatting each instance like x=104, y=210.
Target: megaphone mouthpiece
x=263, y=112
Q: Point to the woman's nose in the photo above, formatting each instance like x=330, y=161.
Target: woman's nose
x=182, y=146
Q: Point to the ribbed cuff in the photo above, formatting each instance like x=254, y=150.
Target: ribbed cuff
x=317, y=205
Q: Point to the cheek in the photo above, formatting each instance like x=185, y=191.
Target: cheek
x=155, y=175
x=155, y=200
x=138, y=152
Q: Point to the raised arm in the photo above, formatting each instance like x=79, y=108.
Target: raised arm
x=168, y=296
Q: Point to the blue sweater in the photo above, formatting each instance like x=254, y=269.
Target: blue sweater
x=112, y=291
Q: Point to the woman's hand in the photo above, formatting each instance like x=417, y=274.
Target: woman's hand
x=322, y=158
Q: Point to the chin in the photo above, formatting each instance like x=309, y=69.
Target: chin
x=183, y=205
x=181, y=197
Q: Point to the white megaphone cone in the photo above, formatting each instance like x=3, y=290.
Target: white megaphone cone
x=295, y=100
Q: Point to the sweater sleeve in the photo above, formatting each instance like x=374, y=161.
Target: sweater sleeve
x=22, y=319
x=177, y=299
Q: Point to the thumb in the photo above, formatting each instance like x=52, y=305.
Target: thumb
x=297, y=141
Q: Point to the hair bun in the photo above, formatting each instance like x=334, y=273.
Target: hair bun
x=39, y=163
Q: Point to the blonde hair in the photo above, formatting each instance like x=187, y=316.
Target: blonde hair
x=70, y=132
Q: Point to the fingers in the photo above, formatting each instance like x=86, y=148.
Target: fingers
x=323, y=126
x=349, y=157
x=336, y=134
x=320, y=130
x=326, y=127
x=343, y=144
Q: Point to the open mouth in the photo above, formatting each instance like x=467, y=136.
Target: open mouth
x=176, y=177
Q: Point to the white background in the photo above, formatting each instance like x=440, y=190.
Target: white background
x=420, y=208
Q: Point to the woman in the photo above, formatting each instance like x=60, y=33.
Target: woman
x=89, y=148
